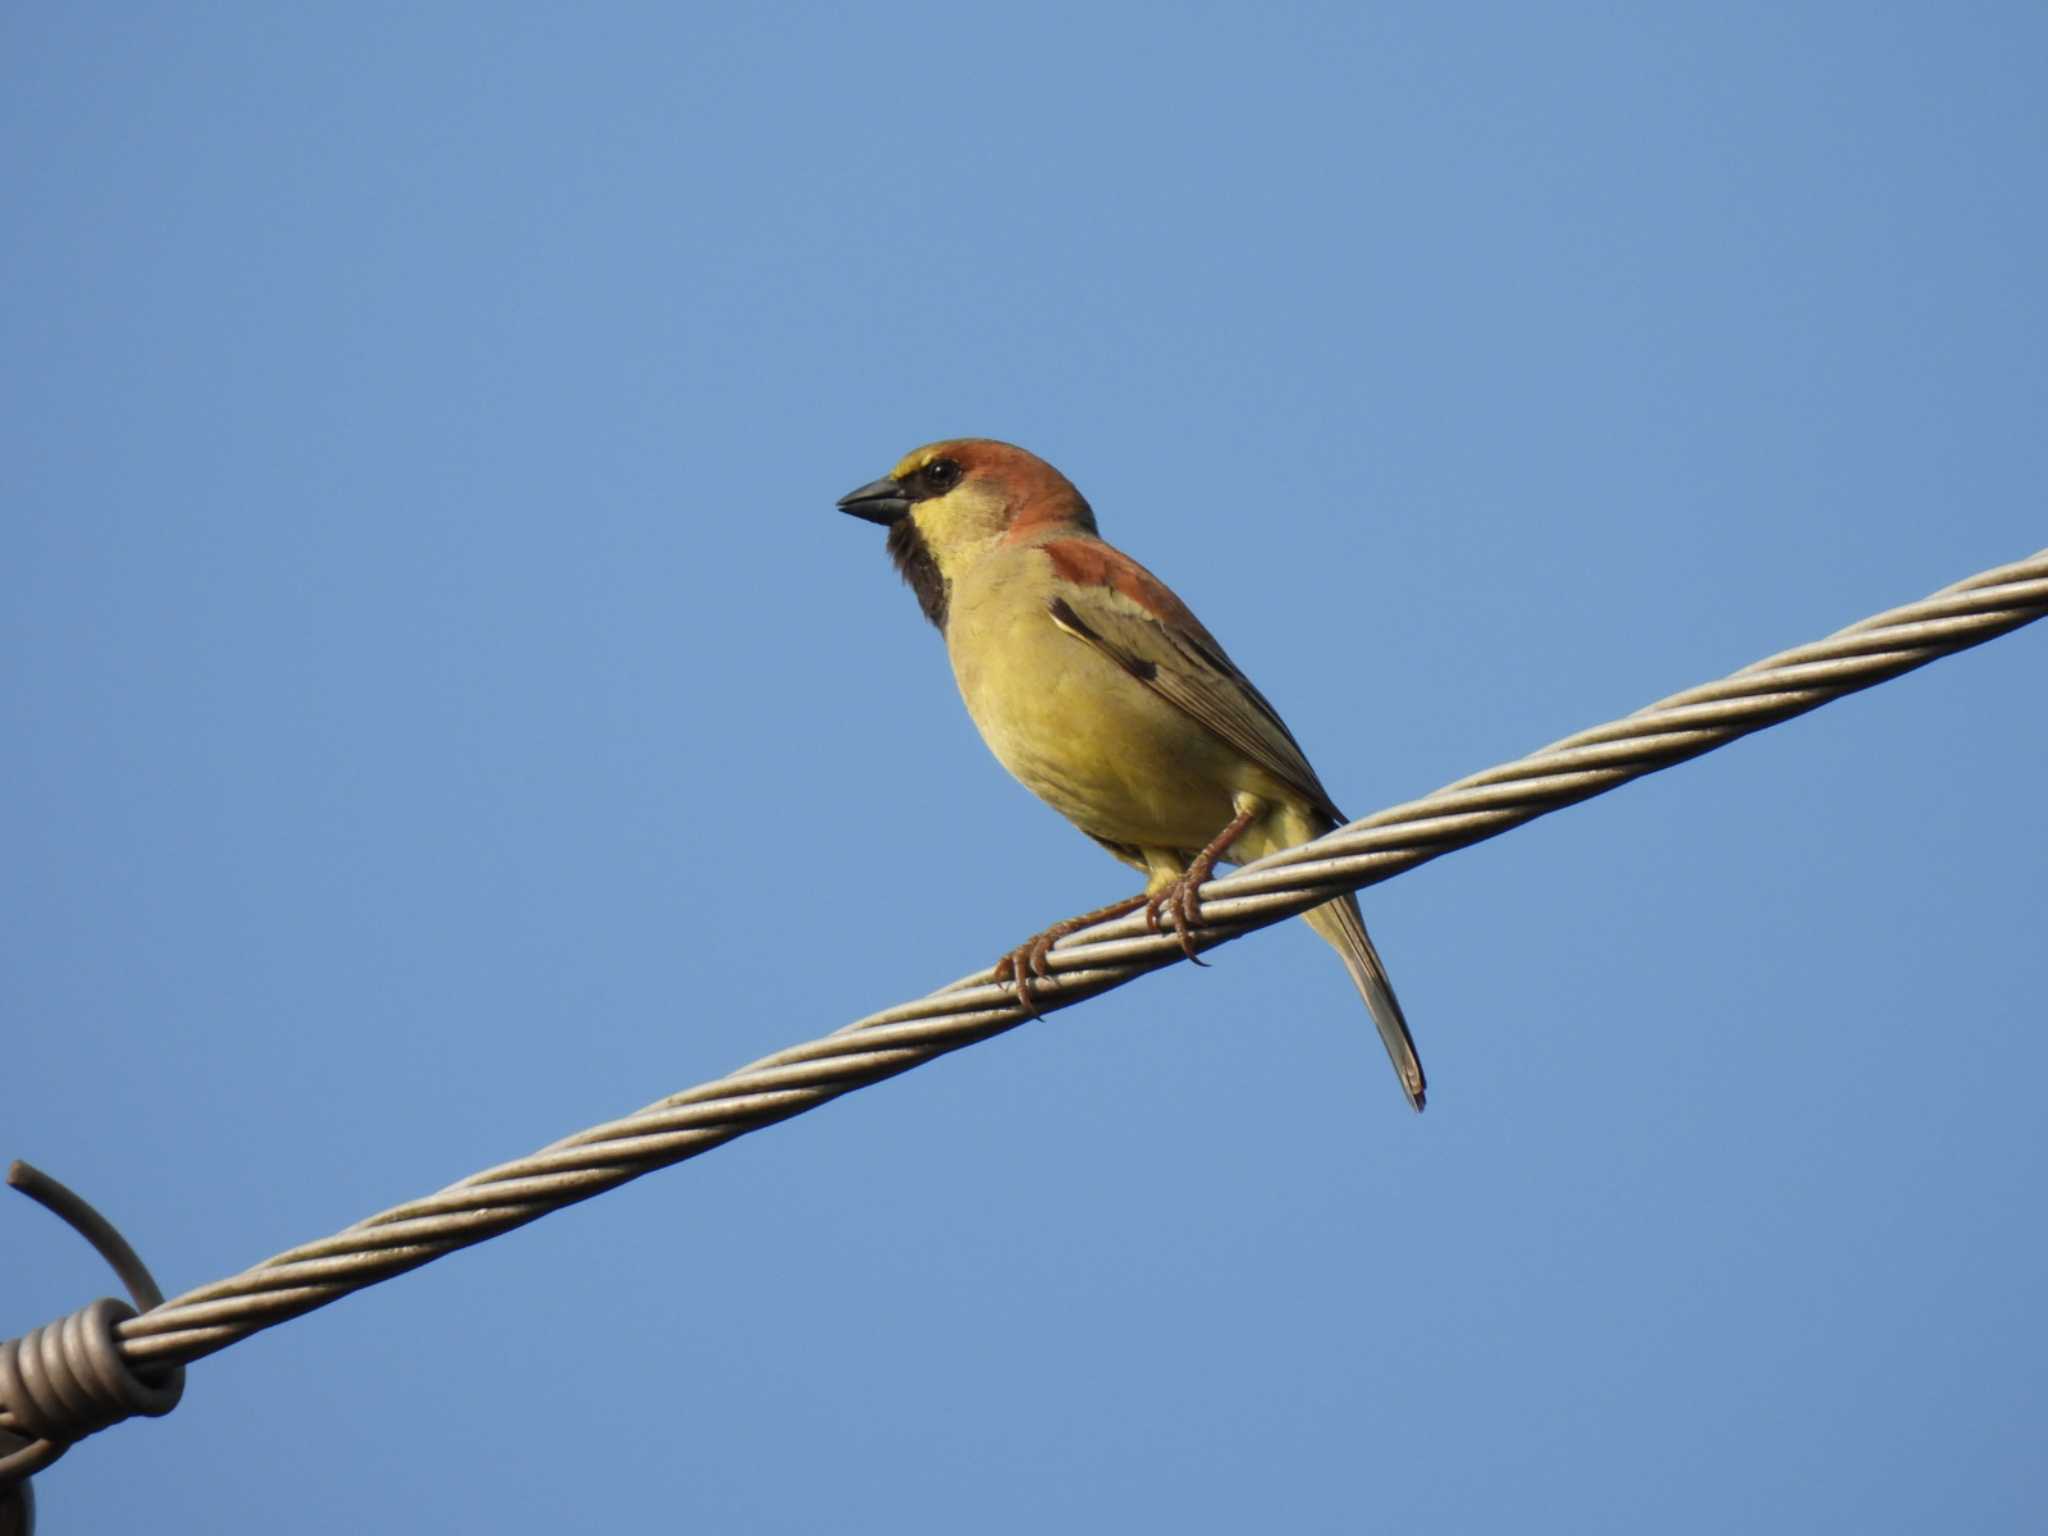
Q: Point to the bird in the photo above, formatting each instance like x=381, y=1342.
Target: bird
x=1097, y=687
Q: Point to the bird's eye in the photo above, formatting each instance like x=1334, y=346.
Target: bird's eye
x=942, y=474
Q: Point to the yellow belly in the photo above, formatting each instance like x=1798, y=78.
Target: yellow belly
x=1084, y=735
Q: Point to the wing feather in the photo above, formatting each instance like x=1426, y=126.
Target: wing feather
x=1182, y=663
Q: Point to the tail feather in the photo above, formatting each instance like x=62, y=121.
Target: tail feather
x=1343, y=929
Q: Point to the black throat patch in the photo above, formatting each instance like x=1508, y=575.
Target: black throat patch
x=915, y=564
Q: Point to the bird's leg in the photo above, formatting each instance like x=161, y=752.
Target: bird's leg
x=1179, y=898
x=1026, y=964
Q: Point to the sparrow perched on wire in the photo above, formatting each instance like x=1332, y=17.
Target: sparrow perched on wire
x=1096, y=687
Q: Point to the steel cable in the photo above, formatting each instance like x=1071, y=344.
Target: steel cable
x=896, y=1039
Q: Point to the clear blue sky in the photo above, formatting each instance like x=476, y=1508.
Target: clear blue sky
x=442, y=709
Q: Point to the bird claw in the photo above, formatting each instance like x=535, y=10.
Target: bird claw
x=1182, y=905
x=1030, y=962
x=1021, y=968
x=1026, y=966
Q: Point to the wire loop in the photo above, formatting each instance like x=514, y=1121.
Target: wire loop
x=69, y=1378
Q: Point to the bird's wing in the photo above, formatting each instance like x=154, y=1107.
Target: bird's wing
x=1108, y=601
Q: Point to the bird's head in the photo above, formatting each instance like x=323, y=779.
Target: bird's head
x=946, y=504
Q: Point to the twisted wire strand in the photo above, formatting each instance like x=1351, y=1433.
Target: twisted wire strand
x=1084, y=964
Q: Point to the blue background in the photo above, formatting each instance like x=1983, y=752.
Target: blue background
x=443, y=709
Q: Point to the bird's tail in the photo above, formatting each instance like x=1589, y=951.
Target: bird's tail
x=1340, y=926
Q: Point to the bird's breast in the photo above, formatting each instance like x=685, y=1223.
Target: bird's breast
x=1081, y=733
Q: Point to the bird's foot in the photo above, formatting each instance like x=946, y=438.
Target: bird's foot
x=1180, y=904
x=1022, y=968
x=1180, y=900
x=1027, y=965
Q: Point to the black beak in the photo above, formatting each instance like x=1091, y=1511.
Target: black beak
x=880, y=501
